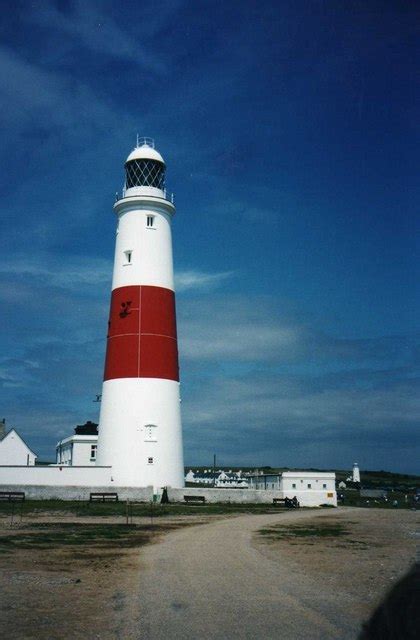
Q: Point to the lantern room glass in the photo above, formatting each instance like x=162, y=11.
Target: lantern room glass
x=145, y=173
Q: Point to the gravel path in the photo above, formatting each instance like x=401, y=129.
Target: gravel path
x=216, y=582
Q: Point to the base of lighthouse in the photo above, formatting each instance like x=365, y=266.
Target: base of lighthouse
x=140, y=432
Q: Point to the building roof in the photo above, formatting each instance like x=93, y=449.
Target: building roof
x=77, y=438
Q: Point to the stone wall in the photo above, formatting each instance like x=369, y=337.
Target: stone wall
x=43, y=492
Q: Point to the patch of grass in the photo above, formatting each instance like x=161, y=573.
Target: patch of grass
x=308, y=531
x=107, y=536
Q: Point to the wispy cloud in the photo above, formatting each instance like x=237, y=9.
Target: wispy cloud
x=65, y=272
x=42, y=97
x=237, y=328
x=89, y=25
x=197, y=280
x=75, y=272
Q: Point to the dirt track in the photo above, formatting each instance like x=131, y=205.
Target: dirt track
x=224, y=581
x=221, y=580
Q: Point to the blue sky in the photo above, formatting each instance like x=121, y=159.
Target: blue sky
x=290, y=131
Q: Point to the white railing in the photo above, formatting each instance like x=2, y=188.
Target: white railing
x=167, y=196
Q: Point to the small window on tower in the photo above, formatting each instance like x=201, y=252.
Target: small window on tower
x=150, y=221
x=149, y=460
x=128, y=256
x=93, y=451
x=150, y=433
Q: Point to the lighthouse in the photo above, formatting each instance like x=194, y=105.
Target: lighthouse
x=140, y=433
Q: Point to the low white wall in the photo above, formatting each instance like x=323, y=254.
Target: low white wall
x=44, y=492
x=56, y=476
x=224, y=495
x=254, y=496
x=75, y=483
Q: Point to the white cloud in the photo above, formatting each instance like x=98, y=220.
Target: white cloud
x=236, y=328
x=36, y=96
x=92, y=27
x=69, y=273
x=185, y=280
x=72, y=272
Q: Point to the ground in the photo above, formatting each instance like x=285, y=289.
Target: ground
x=290, y=574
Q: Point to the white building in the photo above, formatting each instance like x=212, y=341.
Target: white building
x=14, y=450
x=79, y=450
x=311, y=488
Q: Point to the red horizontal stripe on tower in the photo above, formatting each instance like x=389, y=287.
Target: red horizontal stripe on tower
x=142, y=334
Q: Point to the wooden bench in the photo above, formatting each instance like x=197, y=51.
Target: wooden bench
x=12, y=496
x=103, y=497
x=200, y=499
x=278, y=500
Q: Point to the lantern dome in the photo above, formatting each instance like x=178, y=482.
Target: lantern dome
x=145, y=167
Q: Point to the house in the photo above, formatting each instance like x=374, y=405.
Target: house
x=79, y=450
x=231, y=479
x=13, y=449
x=220, y=478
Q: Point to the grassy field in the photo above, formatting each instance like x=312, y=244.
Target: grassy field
x=86, y=509
x=353, y=499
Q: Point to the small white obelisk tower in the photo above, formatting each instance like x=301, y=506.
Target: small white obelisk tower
x=140, y=432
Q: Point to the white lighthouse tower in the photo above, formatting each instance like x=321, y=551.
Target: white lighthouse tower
x=140, y=432
x=356, y=473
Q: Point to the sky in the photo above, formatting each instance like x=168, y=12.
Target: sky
x=290, y=133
